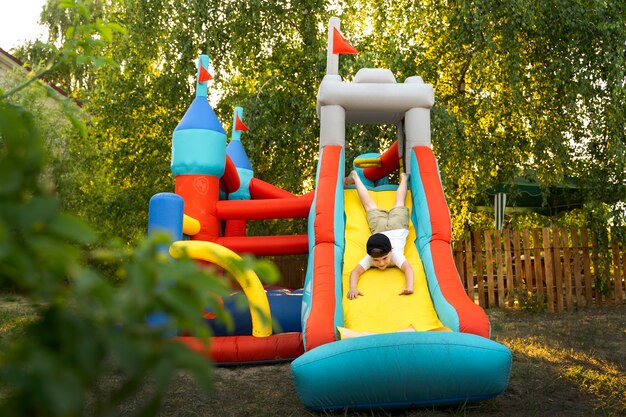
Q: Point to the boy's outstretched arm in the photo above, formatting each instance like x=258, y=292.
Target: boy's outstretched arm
x=408, y=274
x=356, y=273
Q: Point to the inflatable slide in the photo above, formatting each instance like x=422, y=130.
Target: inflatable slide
x=383, y=350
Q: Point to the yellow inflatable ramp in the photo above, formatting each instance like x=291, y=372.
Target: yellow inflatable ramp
x=381, y=309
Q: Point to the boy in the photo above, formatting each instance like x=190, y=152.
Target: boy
x=385, y=247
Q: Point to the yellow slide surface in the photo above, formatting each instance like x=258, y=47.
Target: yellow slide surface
x=381, y=309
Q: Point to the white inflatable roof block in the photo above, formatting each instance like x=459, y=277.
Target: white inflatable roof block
x=376, y=97
x=374, y=75
x=335, y=78
x=415, y=79
x=373, y=117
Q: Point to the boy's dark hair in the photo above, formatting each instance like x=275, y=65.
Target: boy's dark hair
x=378, y=245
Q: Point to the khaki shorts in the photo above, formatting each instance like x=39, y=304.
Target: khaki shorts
x=382, y=220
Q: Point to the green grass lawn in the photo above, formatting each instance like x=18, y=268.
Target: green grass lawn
x=568, y=364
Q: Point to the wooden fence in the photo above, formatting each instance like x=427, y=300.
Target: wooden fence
x=553, y=268
x=556, y=268
x=292, y=270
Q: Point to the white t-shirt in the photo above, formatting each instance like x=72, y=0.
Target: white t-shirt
x=398, y=241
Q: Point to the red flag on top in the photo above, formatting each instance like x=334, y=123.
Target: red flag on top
x=340, y=45
x=239, y=124
x=204, y=75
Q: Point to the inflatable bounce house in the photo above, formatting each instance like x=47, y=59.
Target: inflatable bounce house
x=215, y=194
x=381, y=350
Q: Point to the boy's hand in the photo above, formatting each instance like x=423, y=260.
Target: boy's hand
x=406, y=291
x=353, y=294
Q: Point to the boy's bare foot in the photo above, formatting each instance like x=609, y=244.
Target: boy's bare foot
x=351, y=178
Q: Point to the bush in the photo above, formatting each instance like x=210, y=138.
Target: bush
x=86, y=327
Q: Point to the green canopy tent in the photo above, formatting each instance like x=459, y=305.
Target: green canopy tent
x=526, y=194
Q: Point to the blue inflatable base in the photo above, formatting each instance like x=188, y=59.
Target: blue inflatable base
x=401, y=370
x=285, y=306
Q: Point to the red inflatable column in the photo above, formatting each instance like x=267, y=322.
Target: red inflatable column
x=201, y=193
x=320, y=327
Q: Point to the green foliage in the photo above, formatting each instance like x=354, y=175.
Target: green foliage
x=61, y=139
x=519, y=86
x=529, y=301
x=524, y=80
x=88, y=348
x=85, y=328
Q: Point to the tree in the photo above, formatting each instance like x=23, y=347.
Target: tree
x=519, y=85
x=61, y=138
x=86, y=328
